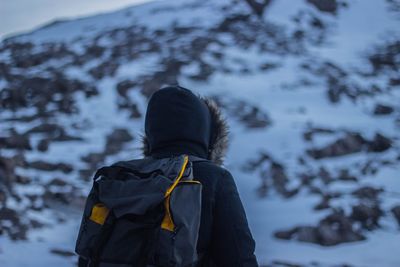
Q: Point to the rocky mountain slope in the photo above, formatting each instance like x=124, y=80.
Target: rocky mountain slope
x=310, y=89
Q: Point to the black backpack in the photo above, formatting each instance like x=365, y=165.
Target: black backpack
x=142, y=213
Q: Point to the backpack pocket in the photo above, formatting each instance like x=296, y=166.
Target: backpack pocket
x=91, y=229
x=130, y=239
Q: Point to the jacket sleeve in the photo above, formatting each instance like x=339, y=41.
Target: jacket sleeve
x=232, y=244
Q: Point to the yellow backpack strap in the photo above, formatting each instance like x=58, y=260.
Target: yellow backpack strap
x=167, y=222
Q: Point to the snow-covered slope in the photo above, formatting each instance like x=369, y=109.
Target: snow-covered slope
x=310, y=89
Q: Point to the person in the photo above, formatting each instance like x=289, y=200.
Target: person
x=179, y=122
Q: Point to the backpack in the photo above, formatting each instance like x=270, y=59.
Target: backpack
x=142, y=213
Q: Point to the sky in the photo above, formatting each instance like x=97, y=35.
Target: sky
x=19, y=16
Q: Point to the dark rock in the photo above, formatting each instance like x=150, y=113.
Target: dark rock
x=258, y=7
x=43, y=145
x=369, y=167
x=205, y=71
x=252, y=165
x=329, y=6
x=62, y=252
x=307, y=234
x=325, y=175
x=15, y=228
x=251, y=116
x=269, y=66
x=351, y=143
x=134, y=111
x=50, y=197
x=54, y=132
x=95, y=51
x=396, y=213
x=46, y=166
x=367, y=215
x=124, y=86
x=116, y=140
x=344, y=175
x=334, y=229
x=93, y=158
x=104, y=69
x=279, y=177
x=22, y=180
x=324, y=204
x=367, y=192
x=16, y=141
x=57, y=182
x=287, y=235
x=379, y=144
x=7, y=172
x=381, y=109
x=48, y=128
x=39, y=92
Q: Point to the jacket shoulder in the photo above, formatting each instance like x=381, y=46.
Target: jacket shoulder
x=211, y=167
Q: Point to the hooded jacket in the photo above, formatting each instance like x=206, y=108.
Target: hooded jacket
x=178, y=122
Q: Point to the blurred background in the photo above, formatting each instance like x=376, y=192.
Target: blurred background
x=310, y=89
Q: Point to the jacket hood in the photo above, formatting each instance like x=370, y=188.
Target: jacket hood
x=179, y=121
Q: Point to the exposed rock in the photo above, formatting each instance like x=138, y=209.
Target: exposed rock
x=325, y=176
x=258, y=7
x=381, y=109
x=57, y=182
x=54, y=132
x=47, y=128
x=384, y=58
x=16, y=141
x=329, y=6
x=367, y=215
x=350, y=143
x=12, y=225
x=324, y=204
x=396, y=213
x=334, y=229
x=104, y=69
x=7, y=172
x=273, y=174
x=367, y=192
x=251, y=116
x=124, y=86
x=344, y=175
x=116, y=140
x=287, y=235
x=379, y=144
x=47, y=166
x=43, y=145
x=39, y=92
x=62, y=252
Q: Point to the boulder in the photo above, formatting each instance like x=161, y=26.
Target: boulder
x=380, y=143
x=381, y=109
x=396, y=213
x=47, y=166
x=350, y=143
